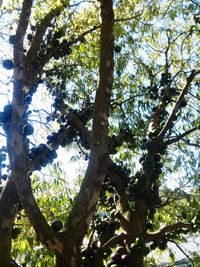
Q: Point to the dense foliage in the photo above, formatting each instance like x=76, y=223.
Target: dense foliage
x=115, y=86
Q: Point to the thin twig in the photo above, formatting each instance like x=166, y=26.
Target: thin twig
x=186, y=255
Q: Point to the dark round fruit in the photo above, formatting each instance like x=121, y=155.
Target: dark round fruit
x=153, y=246
x=28, y=100
x=151, y=95
x=154, y=108
x=68, y=51
x=7, y=109
x=110, y=263
x=44, y=161
x=144, y=140
x=145, y=250
x=40, y=54
x=147, y=161
x=183, y=103
x=52, y=154
x=158, y=171
x=85, y=261
x=56, y=225
x=59, y=34
x=15, y=232
x=8, y=64
x=116, y=257
x=163, y=246
x=56, y=56
x=41, y=148
x=175, y=118
x=149, y=225
x=6, y=126
x=28, y=129
x=30, y=37
x=117, y=49
x=43, y=46
x=4, y=177
x=48, y=118
x=121, y=250
x=2, y=117
x=157, y=157
x=3, y=156
x=33, y=28
x=158, y=165
x=12, y=39
x=142, y=159
x=110, y=200
x=82, y=40
x=184, y=215
x=126, y=259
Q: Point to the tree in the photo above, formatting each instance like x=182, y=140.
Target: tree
x=124, y=89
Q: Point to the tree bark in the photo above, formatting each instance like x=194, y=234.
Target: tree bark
x=5, y=249
x=9, y=202
x=84, y=207
x=137, y=259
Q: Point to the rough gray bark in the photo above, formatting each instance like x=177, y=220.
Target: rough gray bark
x=9, y=202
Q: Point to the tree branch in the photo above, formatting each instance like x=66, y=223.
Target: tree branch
x=112, y=242
x=169, y=198
x=20, y=164
x=186, y=255
x=40, y=31
x=179, y=137
x=119, y=187
x=192, y=144
x=147, y=238
x=166, y=127
x=9, y=205
x=23, y=184
x=167, y=229
x=129, y=18
x=22, y=26
x=85, y=205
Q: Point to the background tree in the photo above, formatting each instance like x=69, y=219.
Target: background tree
x=122, y=81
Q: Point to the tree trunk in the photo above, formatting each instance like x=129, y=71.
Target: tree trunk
x=9, y=203
x=61, y=262
x=5, y=250
x=139, y=262
x=137, y=259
